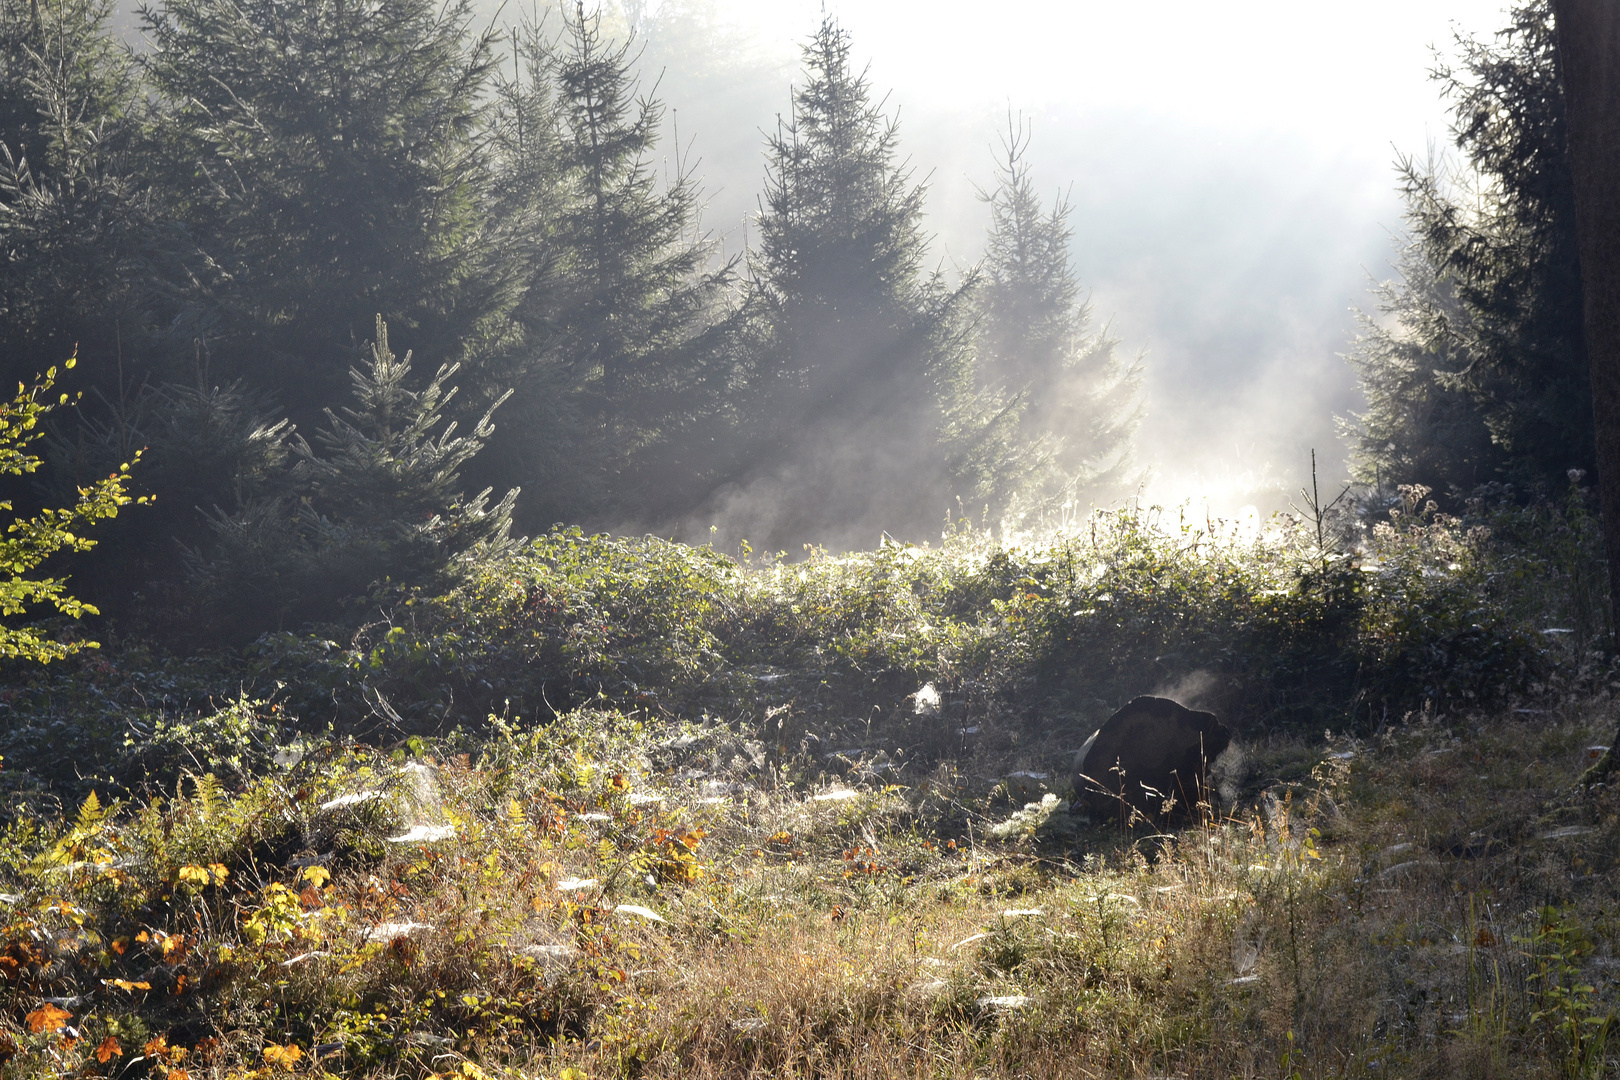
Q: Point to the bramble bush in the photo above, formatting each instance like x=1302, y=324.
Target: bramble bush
x=1031, y=642
x=1420, y=609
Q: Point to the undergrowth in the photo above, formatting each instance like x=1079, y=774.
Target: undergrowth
x=805, y=818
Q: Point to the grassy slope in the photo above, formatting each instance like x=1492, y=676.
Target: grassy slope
x=1430, y=898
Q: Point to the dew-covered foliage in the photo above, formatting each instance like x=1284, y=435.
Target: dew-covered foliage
x=630, y=808
x=1026, y=643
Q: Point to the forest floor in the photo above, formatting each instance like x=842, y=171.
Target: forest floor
x=580, y=900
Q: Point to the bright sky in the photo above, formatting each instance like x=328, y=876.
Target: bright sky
x=1355, y=71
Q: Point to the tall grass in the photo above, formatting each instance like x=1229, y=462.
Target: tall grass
x=1434, y=904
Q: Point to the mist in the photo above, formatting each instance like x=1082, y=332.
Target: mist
x=1231, y=174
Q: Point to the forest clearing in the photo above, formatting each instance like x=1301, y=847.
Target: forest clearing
x=461, y=618
x=812, y=819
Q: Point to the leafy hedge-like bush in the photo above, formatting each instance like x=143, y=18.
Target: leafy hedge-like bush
x=1267, y=625
x=1423, y=608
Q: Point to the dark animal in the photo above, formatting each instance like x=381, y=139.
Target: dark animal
x=1151, y=753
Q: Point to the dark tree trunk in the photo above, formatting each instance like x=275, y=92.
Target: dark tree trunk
x=1588, y=33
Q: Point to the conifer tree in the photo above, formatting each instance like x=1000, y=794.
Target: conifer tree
x=326, y=154
x=379, y=501
x=207, y=449
x=391, y=469
x=1418, y=426
x=863, y=409
x=77, y=234
x=620, y=307
x=1490, y=358
x=1077, y=403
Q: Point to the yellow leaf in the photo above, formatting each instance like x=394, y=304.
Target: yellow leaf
x=219, y=871
x=572, y=1074
x=194, y=875
x=317, y=875
x=282, y=1057
x=125, y=984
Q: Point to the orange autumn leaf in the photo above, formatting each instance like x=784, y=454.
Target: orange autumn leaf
x=177, y=1074
x=108, y=1050
x=284, y=1057
x=48, y=1018
x=156, y=1048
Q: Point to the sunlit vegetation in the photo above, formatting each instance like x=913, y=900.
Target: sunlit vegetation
x=638, y=809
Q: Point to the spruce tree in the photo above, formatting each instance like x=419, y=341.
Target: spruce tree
x=379, y=499
x=327, y=155
x=620, y=309
x=863, y=412
x=207, y=449
x=1490, y=299
x=1077, y=403
x=390, y=473
x=1419, y=427
x=78, y=239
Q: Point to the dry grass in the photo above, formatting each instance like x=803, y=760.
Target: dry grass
x=1439, y=903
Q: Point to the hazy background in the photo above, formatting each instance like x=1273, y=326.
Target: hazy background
x=1229, y=165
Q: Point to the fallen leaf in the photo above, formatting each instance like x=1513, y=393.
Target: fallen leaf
x=47, y=1018
x=108, y=1050
x=284, y=1057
